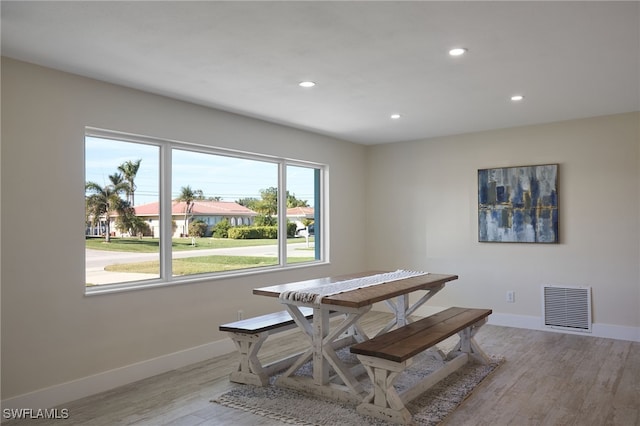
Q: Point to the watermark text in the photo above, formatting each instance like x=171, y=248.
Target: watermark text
x=35, y=413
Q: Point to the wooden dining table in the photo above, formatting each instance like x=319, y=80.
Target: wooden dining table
x=326, y=337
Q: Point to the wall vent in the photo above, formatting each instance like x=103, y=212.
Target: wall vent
x=567, y=308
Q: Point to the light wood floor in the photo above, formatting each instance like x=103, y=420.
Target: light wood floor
x=548, y=379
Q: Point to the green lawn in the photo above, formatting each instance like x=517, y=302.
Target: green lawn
x=204, y=264
x=151, y=245
x=191, y=265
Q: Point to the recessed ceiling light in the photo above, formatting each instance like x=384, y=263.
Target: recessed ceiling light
x=306, y=84
x=395, y=116
x=517, y=98
x=458, y=51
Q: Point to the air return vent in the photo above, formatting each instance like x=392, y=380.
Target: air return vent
x=567, y=308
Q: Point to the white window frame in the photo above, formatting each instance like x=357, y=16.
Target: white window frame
x=165, y=170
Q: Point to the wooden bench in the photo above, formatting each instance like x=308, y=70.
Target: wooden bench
x=249, y=334
x=387, y=355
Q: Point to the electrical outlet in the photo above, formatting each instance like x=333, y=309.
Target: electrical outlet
x=511, y=296
x=240, y=315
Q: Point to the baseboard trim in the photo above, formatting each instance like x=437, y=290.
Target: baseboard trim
x=57, y=395
x=608, y=331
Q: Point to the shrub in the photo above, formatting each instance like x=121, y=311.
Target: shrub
x=265, y=220
x=253, y=232
x=132, y=224
x=142, y=228
x=198, y=228
x=221, y=229
x=292, y=227
x=269, y=232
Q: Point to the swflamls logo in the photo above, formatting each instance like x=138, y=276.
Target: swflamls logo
x=39, y=413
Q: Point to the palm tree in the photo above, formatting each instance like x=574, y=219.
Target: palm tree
x=292, y=201
x=104, y=200
x=117, y=179
x=187, y=195
x=130, y=169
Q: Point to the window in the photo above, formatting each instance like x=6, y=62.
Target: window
x=160, y=212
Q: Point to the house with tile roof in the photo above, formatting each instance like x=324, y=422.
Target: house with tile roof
x=210, y=212
x=299, y=214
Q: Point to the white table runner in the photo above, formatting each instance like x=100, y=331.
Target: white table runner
x=316, y=293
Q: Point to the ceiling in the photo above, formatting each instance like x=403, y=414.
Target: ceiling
x=369, y=59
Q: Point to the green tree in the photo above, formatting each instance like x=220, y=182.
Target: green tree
x=116, y=179
x=248, y=202
x=199, y=194
x=265, y=220
x=127, y=221
x=292, y=201
x=268, y=205
x=129, y=171
x=103, y=200
x=187, y=195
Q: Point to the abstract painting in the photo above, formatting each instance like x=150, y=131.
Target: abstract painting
x=518, y=204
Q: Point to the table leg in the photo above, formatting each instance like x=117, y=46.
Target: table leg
x=402, y=310
x=330, y=355
x=320, y=331
x=323, y=342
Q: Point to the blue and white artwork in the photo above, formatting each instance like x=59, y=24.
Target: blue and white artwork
x=518, y=204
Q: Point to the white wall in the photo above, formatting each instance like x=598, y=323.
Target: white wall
x=429, y=187
x=57, y=343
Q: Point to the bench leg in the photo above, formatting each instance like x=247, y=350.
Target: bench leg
x=383, y=401
x=468, y=344
x=249, y=369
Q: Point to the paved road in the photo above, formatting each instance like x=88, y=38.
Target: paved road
x=96, y=260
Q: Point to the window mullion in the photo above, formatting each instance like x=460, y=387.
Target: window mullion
x=166, y=217
x=282, y=213
x=317, y=217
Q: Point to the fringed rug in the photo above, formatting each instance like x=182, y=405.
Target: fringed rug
x=295, y=407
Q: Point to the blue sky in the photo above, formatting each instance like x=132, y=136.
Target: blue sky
x=226, y=177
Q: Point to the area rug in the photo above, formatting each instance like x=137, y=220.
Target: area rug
x=295, y=407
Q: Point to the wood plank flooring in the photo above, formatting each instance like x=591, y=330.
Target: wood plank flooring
x=548, y=379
